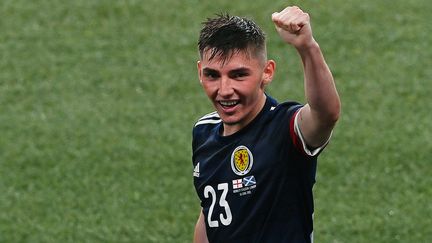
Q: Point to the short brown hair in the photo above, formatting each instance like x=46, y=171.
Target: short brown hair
x=226, y=35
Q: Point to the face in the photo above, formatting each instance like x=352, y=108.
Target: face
x=235, y=87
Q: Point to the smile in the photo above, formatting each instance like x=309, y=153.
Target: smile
x=228, y=103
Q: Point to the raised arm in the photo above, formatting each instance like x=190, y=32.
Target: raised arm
x=318, y=117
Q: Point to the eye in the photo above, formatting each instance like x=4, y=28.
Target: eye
x=211, y=75
x=239, y=75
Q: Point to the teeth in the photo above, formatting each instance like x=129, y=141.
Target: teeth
x=228, y=103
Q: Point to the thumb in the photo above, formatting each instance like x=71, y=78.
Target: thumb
x=274, y=15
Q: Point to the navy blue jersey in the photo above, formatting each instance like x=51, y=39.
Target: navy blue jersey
x=256, y=184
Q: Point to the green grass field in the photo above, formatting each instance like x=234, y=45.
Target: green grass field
x=98, y=99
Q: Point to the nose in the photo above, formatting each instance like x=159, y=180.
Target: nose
x=225, y=87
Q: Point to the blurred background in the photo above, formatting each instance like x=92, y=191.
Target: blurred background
x=98, y=99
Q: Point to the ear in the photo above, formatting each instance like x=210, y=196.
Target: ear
x=269, y=70
x=199, y=71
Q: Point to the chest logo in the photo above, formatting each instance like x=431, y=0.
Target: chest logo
x=241, y=160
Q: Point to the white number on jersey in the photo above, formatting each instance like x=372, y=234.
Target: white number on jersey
x=210, y=191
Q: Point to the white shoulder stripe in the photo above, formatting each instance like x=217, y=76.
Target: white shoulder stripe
x=208, y=122
x=210, y=118
x=210, y=115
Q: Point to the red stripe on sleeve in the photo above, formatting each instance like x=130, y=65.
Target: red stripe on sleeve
x=294, y=137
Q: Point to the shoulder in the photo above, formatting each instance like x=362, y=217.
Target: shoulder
x=286, y=110
x=205, y=126
x=289, y=106
x=209, y=119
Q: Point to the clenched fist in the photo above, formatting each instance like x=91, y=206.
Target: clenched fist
x=293, y=25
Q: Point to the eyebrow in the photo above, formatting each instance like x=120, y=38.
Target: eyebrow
x=210, y=70
x=240, y=70
x=236, y=70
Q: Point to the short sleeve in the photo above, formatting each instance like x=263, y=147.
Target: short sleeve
x=298, y=139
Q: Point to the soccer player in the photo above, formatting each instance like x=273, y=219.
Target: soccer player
x=255, y=159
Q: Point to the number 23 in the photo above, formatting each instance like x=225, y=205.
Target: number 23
x=210, y=191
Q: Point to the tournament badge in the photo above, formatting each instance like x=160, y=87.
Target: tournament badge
x=241, y=160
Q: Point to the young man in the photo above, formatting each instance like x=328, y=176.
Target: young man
x=254, y=159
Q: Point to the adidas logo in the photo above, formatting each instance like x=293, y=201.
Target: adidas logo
x=196, y=170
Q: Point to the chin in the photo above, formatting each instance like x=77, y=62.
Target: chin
x=229, y=120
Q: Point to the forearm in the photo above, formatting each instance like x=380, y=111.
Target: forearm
x=320, y=89
x=200, y=235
